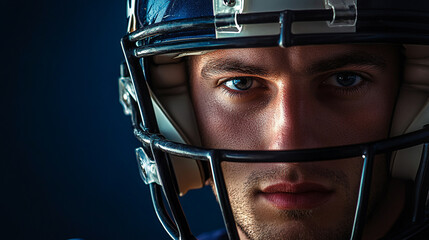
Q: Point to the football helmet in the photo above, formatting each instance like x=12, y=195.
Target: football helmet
x=154, y=91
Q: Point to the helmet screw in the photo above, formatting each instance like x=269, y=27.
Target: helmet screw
x=229, y=3
x=125, y=97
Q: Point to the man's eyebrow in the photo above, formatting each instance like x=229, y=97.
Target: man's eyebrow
x=219, y=66
x=225, y=65
x=353, y=58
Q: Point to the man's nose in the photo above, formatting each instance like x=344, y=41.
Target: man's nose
x=293, y=122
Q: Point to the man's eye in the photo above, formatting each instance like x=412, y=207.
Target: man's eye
x=239, y=83
x=344, y=80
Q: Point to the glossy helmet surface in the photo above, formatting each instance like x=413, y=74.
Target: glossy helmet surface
x=154, y=89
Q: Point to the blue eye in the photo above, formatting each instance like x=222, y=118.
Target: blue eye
x=344, y=80
x=239, y=83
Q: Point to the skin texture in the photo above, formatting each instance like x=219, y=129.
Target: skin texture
x=285, y=99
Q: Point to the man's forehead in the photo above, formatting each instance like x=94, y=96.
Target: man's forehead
x=310, y=51
x=312, y=59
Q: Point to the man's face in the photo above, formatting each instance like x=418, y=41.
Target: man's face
x=296, y=98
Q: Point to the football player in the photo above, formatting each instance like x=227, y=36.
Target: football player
x=307, y=117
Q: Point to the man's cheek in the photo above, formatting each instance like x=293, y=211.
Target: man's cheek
x=229, y=129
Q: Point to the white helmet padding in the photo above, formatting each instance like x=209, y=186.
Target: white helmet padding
x=175, y=116
x=412, y=109
x=252, y=6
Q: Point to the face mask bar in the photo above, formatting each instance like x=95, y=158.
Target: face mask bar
x=372, y=26
x=150, y=41
x=215, y=157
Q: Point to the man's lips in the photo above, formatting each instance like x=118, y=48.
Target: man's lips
x=289, y=196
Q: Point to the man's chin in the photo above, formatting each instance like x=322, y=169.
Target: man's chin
x=296, y=224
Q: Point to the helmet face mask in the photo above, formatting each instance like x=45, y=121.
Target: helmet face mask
x=158, y=96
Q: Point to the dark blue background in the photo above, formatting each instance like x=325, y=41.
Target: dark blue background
x=68, y=168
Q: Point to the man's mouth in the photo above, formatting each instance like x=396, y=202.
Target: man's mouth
x=293, y=196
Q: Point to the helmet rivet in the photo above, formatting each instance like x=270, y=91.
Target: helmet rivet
x=229, y=3
x=148, y=169
x=125, y=97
